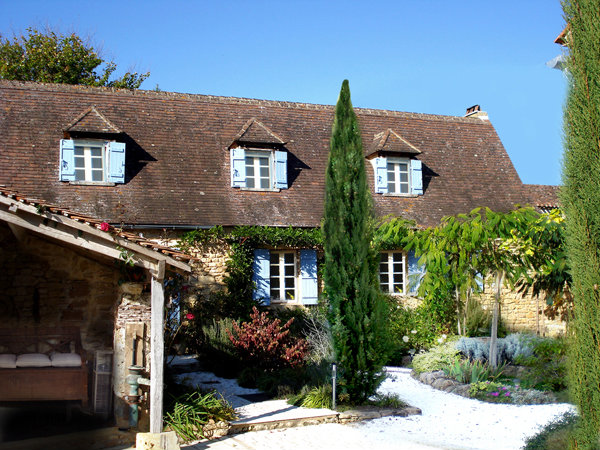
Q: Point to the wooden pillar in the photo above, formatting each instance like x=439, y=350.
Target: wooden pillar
x=157, y=348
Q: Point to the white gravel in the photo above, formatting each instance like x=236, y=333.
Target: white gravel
x=448, y=422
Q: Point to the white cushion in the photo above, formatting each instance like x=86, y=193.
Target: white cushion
x=66, y=360
x=33, y=360
x=8, y=361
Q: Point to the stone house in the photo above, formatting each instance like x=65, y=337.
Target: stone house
x=158, y=164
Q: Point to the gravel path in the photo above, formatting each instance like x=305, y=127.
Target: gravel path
x=448, y=422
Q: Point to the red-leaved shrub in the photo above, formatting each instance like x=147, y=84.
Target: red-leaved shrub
x=266, y=344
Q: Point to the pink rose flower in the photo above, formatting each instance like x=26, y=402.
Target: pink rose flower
x=104, y=226
x=190, y=316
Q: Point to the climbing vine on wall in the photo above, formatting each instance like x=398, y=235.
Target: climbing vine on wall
x=242, y=240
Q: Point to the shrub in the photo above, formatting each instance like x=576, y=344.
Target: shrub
x=318, y=336
x=436, y=358
x=264, y=343
x=491, y=391
x=554, y=435
x=188, y=413
x=316, y=397
x=387, y=401
x=411, y=329
x=547, y=365
x=510, y=348
x=466, y=371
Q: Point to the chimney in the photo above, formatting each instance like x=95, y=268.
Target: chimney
x=475, y=111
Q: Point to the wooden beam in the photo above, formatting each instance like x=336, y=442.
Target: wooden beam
x=157, y=348
x=69, y=236
x=91, y=230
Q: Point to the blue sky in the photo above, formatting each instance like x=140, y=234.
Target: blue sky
x=427, y=56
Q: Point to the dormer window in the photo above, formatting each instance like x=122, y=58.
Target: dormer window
x=92, y=161
x=258, y=169
x=398, y=176
x=92, y=156
x=396, y=169
x=258, y=159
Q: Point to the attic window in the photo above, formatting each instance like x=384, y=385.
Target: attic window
x=92, y=161
x=258, y=169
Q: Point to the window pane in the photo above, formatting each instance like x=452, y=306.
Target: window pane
x=383, y=257
x=96, y=152
x=397, y=256
x=289, y=283
x=264, y=172
x=275, y=294
x=289, y=294
x=403, y=177
x=289, y=258
x=96, y=163
x=264, y=183
x=289, y=271
x=404, y=188
x=97, y=175
x=403, y=167
x=263, y=162
x=78, y=150
x=249, y=171
x=275, y=283
x=398, y=278
x=383, y=278
x=391, y=177
x=80, y=175
x=79, y=162
x=249, y=182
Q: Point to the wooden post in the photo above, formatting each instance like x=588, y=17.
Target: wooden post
x=157, y=346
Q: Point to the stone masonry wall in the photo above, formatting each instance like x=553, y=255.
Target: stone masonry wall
x=523, y=312
x=209, y=270
x=518, y=313
x=42, y=283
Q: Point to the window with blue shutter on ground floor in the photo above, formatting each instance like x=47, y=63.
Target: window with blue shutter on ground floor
x=92, y=161
x=281, y=276
x=399, y=272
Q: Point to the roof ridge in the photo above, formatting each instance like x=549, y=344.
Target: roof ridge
x=229, y=100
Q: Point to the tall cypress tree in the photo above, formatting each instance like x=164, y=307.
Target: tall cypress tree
x=581, y=201
x=356, y=310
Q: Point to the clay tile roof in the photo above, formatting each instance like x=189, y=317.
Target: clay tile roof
x=43, y=205
x=92, y=121
x=542, y=196
x=254, y=132
x=178, y=176
x=390, y=141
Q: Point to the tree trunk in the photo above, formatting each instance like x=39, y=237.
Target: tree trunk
x=458, y=313
x=493, y=359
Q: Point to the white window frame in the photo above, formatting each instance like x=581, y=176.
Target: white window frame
x=256, y=155
x=395, y=162
x=87, y=160
x=390, y=286
x=281, y=276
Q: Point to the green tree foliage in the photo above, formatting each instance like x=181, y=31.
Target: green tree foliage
x=581, y=203
x=55, y=58
x=464, y=250
x=356, y=307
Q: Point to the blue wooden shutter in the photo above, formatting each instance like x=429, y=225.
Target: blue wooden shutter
x=416, y=177
x=381, y=181
x=261, y=276
x=238, y=167
x=281, y=181
x=415, y=272
x=116, y=162
x=308, y=275
x=67, y=160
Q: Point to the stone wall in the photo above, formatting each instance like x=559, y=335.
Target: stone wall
x=209, y=270
x=43, y=283
x=523, y=312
